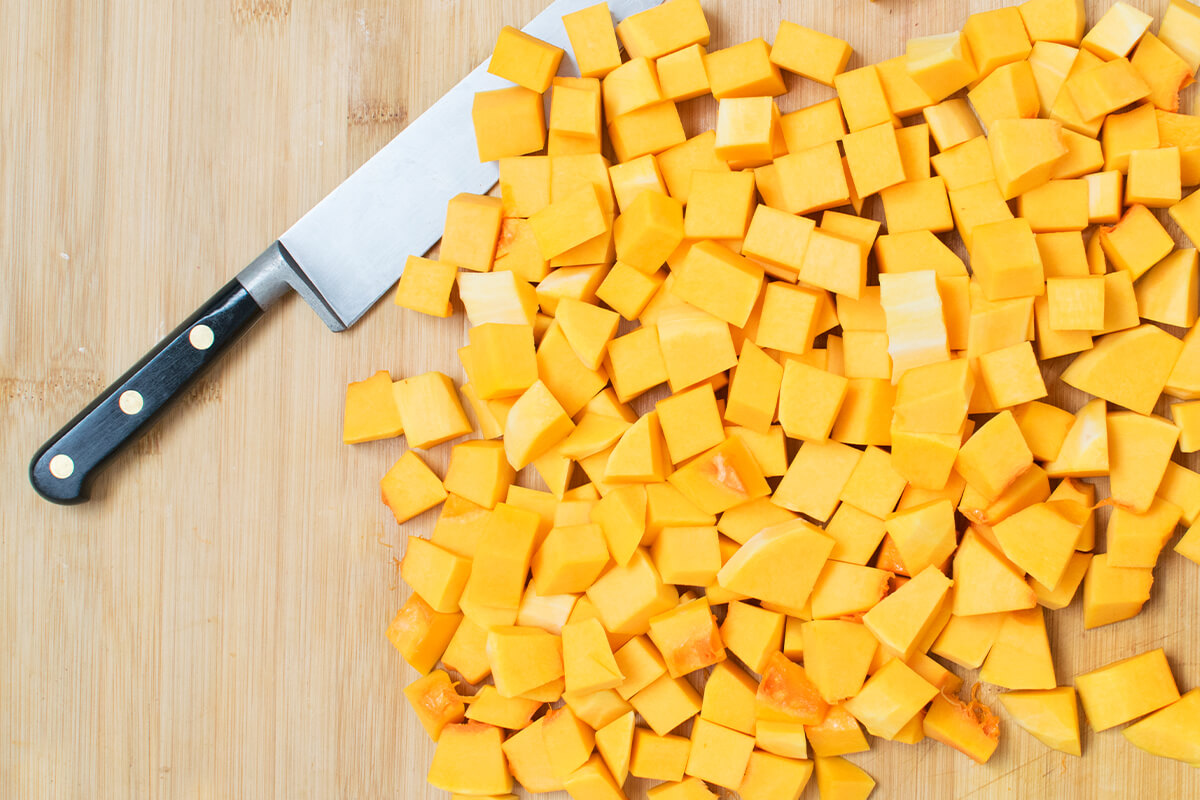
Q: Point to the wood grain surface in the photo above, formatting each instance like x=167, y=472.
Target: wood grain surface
x=211, y=623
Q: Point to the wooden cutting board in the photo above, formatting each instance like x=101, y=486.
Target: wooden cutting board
x=211, y=623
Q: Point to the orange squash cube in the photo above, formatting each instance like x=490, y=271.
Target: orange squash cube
x=719, y=755
x=371, y=413
x=837, y=654
x=508, y=122
x=862, y=97
x=971, y=728
x=752, y=634
x=715, y=279
x=469, y=760
x=812, y=180
x=420, y=633
x=941, y=64
x=804, y=51
x=1169, y=732
x=751, y=570
x=813, y=125
x=1126, y=689
x=1106, y=88
x=631, y=86
x=1117, y=31
x=671, y=26
x=593, y=40
x=890, y=698
x=570, y=559
x=681, y=75
x=996, y=38
x=410, y=487
x=1020, y=657
x=648, y=130
x=524, y=59
x=659, y=758
x=569, y=222
x=435, y=702
x=1051, y=715
x=743, y=70
x=748, y=131
x=873, y=157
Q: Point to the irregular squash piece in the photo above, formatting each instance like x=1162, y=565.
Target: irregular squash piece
x=837, y=654
x=904, y=618
x=1084, y=451
x=890, y=698
x=659, y=758
x=688, y=638
x=614, y=743
x=410, y=487
x=435, y=702
x=787, y=694
x=469, y=760
x=1127, y=689
x=371, y=412
x=1112, y=594
x=839, y=779
x=1040, y=540
x=721, y=478
x=1051, y=715
x=1140, y=448
x=1171, y=732
x=779, y=565
x=769, y=776
x=994, y=456
x=529, y=759
x=971, y=728
x=1020, y=657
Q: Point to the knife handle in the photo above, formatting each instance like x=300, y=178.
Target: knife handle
x=63, y=469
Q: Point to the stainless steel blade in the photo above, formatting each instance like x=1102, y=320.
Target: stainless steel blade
x=351, y=247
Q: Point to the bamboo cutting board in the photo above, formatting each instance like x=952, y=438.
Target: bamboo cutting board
x=211, y=624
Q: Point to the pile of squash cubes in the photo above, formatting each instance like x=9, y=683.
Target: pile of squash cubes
x=846, y=477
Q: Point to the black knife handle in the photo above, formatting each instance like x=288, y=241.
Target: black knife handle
x=62, y=471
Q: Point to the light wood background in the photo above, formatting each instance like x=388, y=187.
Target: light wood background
x=211, y=623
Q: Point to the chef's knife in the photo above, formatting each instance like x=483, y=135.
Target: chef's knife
x=341, y=257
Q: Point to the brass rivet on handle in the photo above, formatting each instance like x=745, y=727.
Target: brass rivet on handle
x=130, y=402
x=201, y=337
x=61, y=466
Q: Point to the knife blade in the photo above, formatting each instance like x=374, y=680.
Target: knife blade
x=340, y=257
